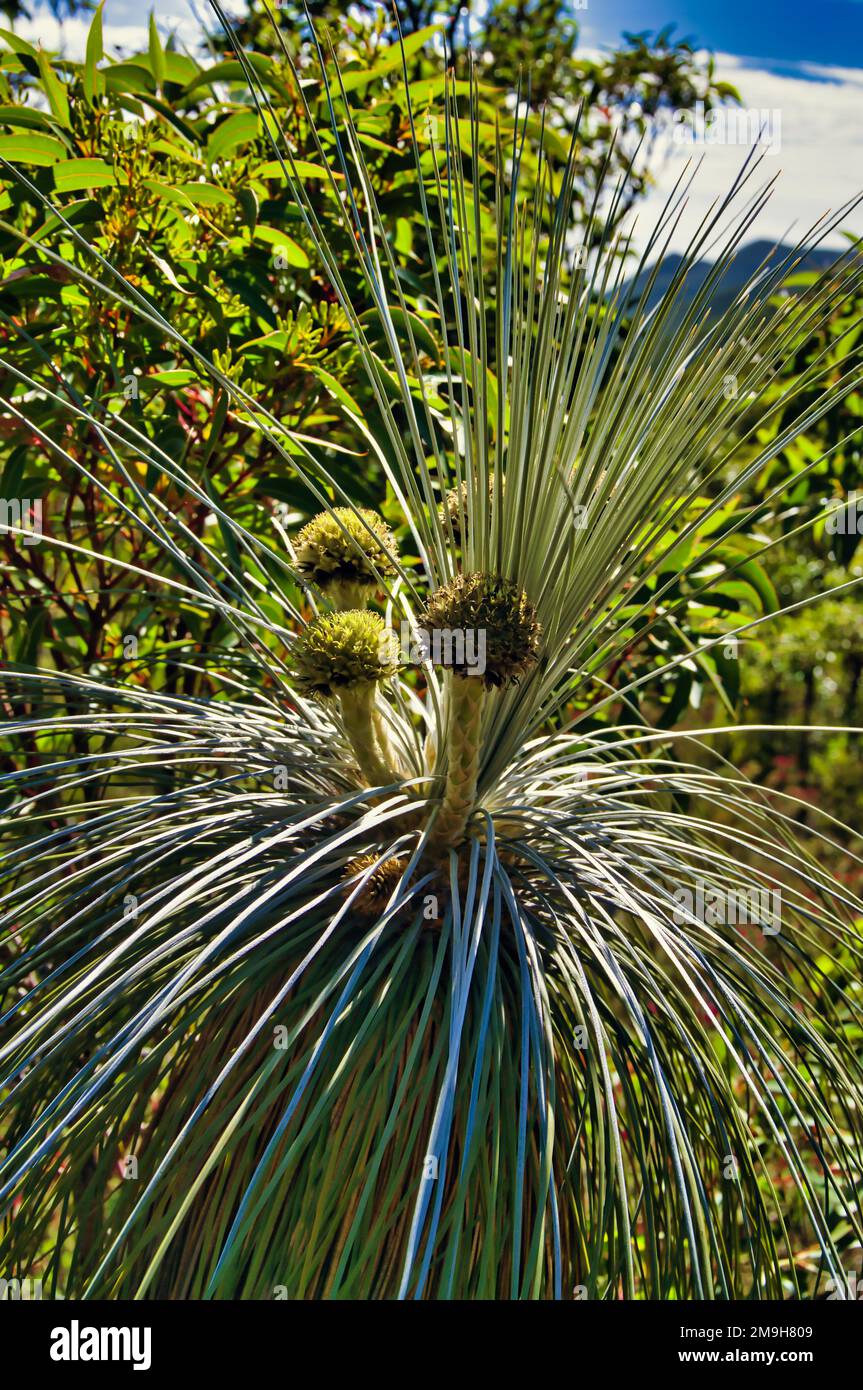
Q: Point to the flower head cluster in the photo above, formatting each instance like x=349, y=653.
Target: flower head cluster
x=345, y=553
x=341, y=651
x=454, y=506
x=496, y=607
x=380, y=884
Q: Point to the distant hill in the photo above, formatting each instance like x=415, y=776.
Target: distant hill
x=746, y=262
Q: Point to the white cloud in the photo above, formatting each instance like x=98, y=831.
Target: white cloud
x=818, y=161
x=124, y=27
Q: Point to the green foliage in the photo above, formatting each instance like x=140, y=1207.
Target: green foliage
x=163, y=165
x=809, y=672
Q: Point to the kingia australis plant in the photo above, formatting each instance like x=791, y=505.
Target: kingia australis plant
x=387, y=981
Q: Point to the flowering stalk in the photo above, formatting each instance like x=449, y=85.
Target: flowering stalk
x=361, y=726
x=469, y=605
x=385, y=743
x=465, y=702
x=342, y=656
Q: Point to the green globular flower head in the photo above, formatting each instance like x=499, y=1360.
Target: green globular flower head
x=454, y=508
x=339, y=652
x=455, y=505
x=495, y=610
x=345, y=552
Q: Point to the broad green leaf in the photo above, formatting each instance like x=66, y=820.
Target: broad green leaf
x=27, y=117
x=168, y=271
x=248, y=201
x=31, y=149
x=238, y=129
x=94, y=81
x=124, y=77
x=19, y=45
x=174, y=150
x=303, y=167
x=374, y=142
x=229, y=70
x=336, y=389
x=276, y=341
x=207, y=195
x=391, y=60
x=166, y=110
x=284, y=245
x=83, y=173
x=55, y=91
x=756, y=575
x=179, y=376
x=179, y=67
x=169, y=194
x=157, y=53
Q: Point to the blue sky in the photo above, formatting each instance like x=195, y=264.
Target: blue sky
x=797, y=63
x=774, y=31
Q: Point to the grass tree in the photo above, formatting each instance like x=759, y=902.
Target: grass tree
x=361, y=979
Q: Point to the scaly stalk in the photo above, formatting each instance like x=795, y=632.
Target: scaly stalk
x=465, y=703
x=385, y=743
x=497, y=623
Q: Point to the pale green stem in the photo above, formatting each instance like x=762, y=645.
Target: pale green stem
x=358, y=706
x=385, y=743
x=346, y=594
x=464, y=724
